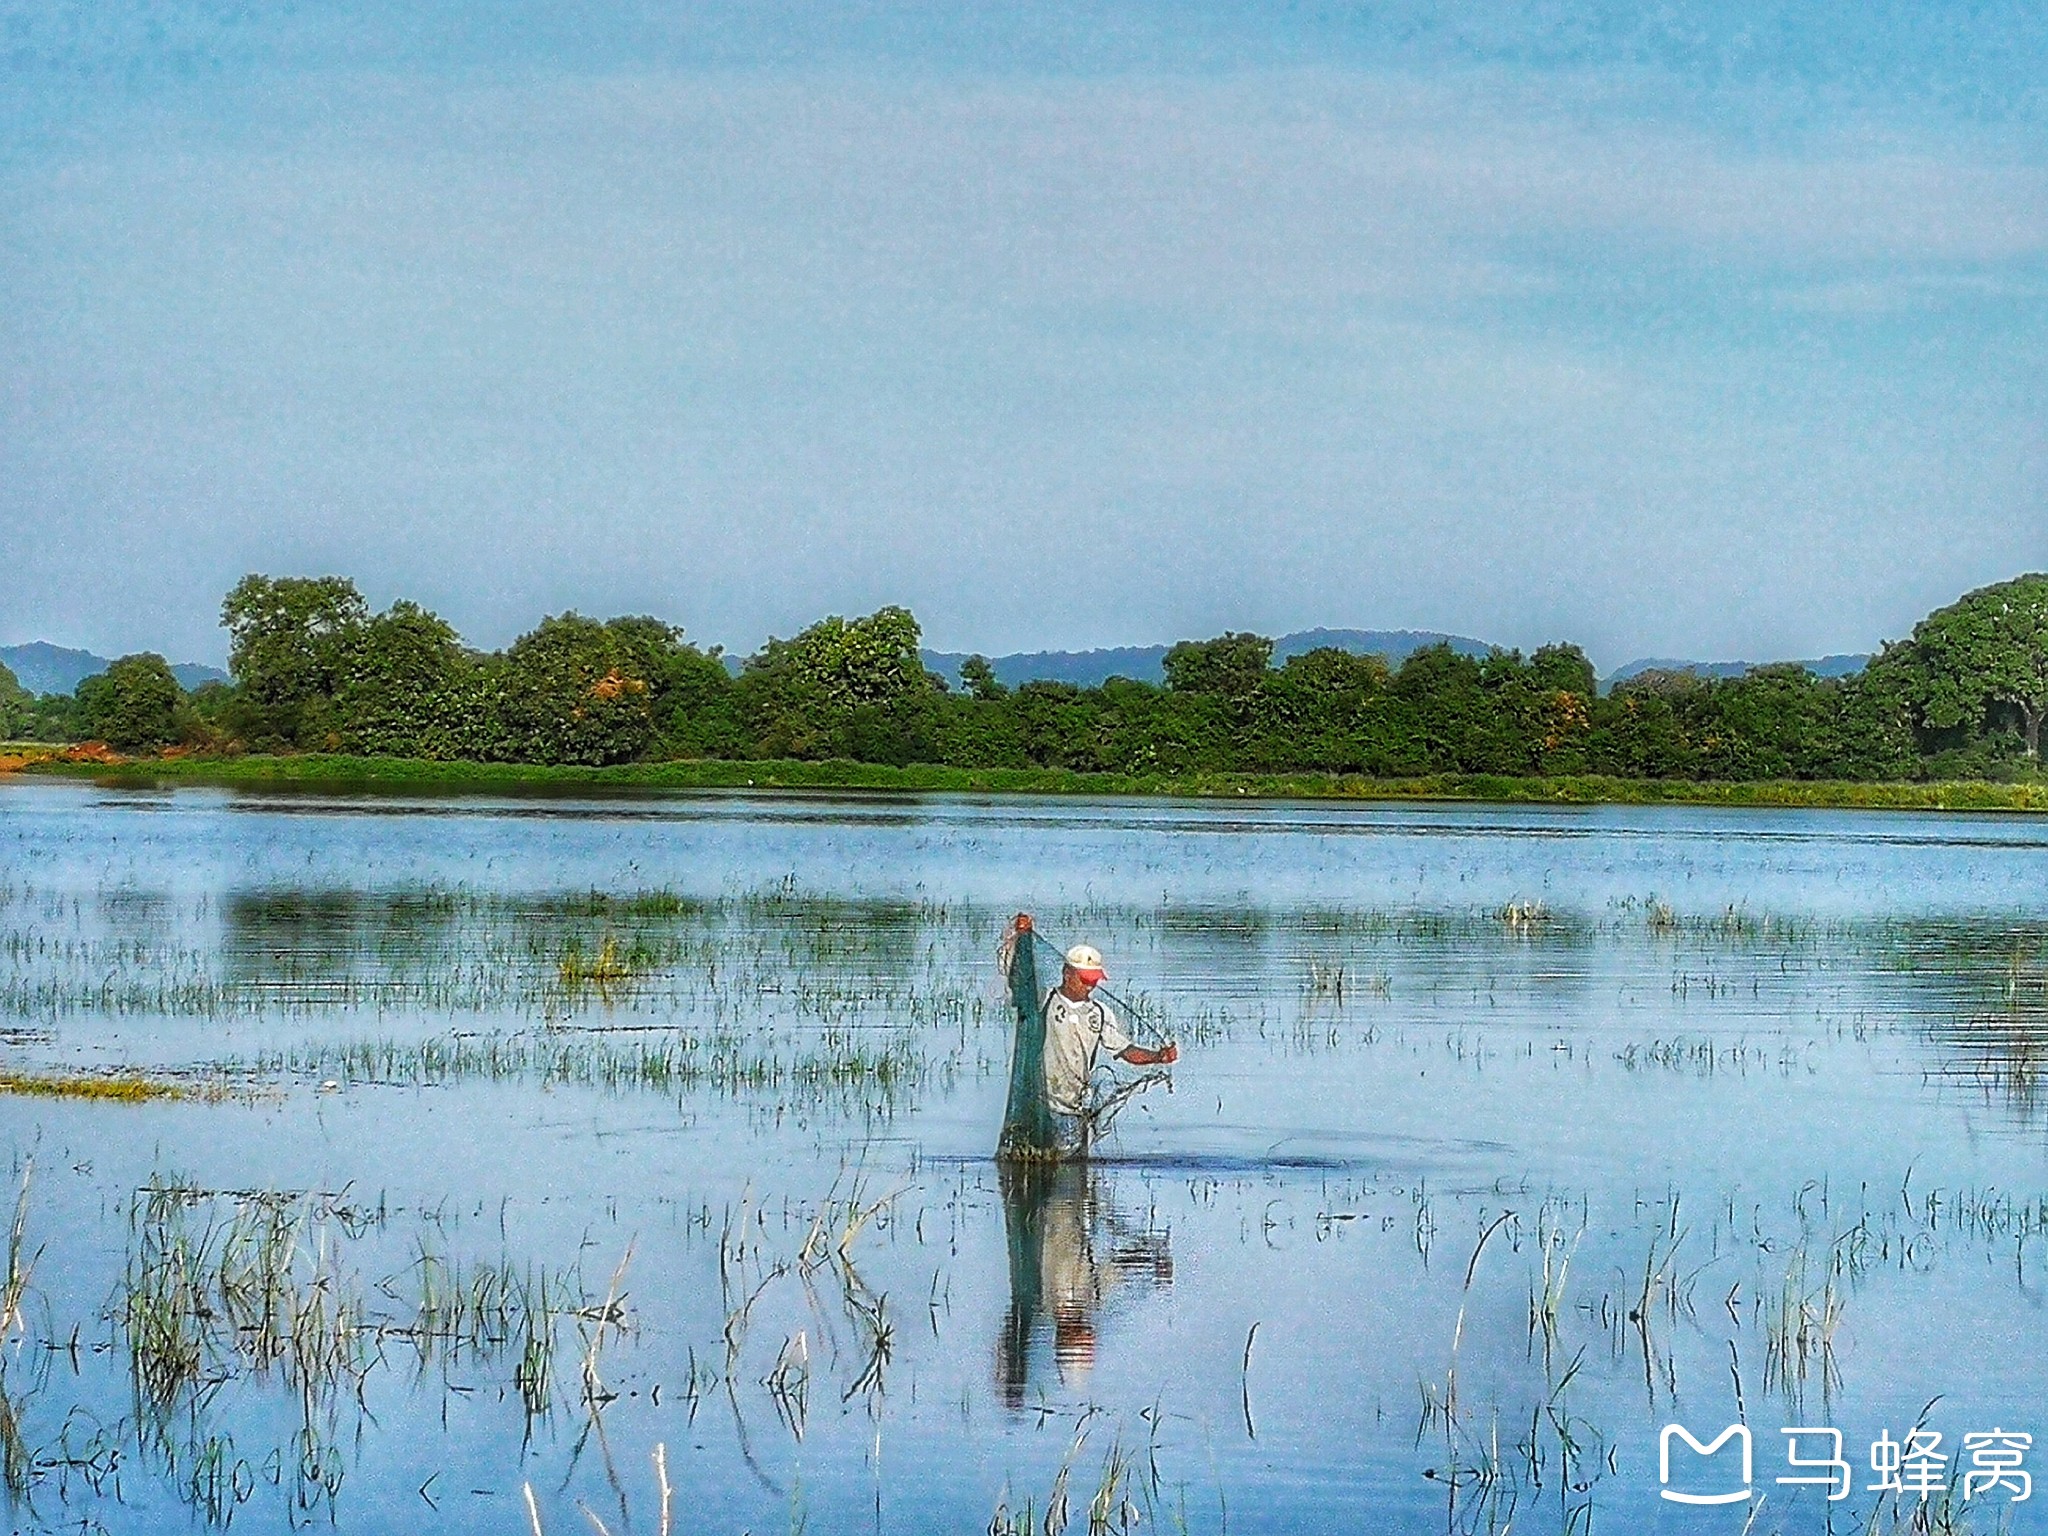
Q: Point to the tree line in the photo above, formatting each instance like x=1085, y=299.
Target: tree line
x=314, y=668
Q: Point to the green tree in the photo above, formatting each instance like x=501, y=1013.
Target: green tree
x=979, y=733
x=1444, y=699
x=1987, y=651
x=979, y=678
x=1232, y=665
x=1638, y=730
x=1318, y=711
x=405, y=689
x=899, y=733
x=1875, y=711
x=291, y=643
x=1773, y=722
x=697, y=710
x=1563, y=668
x=136, y=703
x=574, y=690
x=845, y=663
x=651, y=644
x=1142, y=729
x=212, y=703
x=15, y=705
x=54, y=717
x=690, y=691
x=799, y=696
x=1058, y=724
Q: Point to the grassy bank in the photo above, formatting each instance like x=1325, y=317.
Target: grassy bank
x=321, y=771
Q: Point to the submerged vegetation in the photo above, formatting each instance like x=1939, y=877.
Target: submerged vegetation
x=758, y=994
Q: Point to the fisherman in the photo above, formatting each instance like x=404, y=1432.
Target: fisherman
x=1077, y=1028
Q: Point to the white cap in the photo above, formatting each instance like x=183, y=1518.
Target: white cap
x=1086, y=957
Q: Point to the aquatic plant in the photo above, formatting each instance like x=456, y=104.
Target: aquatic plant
x=1110, y=1511
x=876, y=1073
x=606, y=968
x=258, y=1287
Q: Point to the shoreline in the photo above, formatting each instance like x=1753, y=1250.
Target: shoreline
x=322, y=771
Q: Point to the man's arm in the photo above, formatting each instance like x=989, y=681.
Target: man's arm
x=1125, y=1049
x=1138, y=1056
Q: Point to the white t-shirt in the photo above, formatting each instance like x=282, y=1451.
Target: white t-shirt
x=1074, y=1033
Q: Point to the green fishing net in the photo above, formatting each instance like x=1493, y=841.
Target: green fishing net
x=1029, y=1134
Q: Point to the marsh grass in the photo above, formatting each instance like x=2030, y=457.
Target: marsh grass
x=1111, y=1508
x=878, y=1073
x=236, y=1291
x=736, y=961
x=1802, y=1317
x=814, y=1292
x=2003, y=1052
x=439, y=950
x=118, y=1087
x=1485, y=1470
x=17, y=1462
x=1525, y=916
x=609, y=967
x=1699, y=1055
x=1558, y=1246
x=1520, y=1453
x=664, y=1500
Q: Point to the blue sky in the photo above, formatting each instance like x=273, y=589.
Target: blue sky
x=1719, y=333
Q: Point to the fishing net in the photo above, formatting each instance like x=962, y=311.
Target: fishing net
x=1029, y=1134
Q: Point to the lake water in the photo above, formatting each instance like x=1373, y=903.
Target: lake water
x=523, y=1137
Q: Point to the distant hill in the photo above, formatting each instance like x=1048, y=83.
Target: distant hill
x=1825, y=666
x=44, y=668
x=1146, y=663
x=1084, y=669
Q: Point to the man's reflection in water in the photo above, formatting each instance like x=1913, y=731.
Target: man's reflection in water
x=1070, y=1249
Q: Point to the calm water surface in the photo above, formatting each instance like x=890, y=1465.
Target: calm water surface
x=523, y=1137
